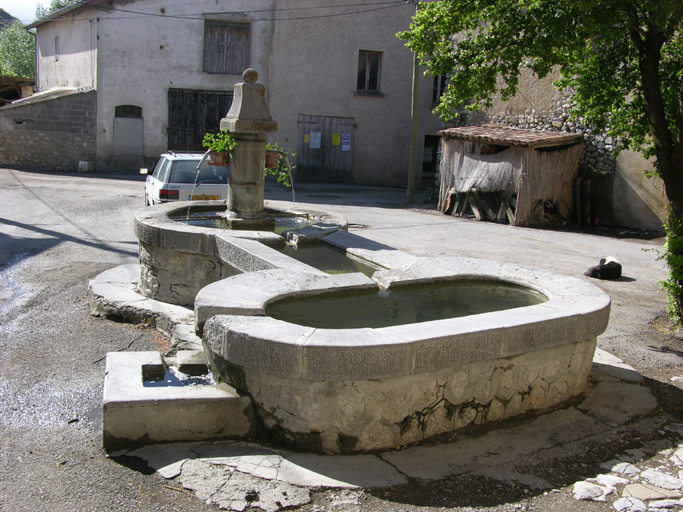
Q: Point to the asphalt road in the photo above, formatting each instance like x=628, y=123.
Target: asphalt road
x=58, y=230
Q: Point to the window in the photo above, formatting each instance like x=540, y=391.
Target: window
x=439, y=88
x=226, y=47
x=128, y=111
x=369, y=71
x=161, y=171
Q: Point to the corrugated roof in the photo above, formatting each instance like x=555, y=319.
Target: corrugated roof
x=49, y=95
x=509, y=136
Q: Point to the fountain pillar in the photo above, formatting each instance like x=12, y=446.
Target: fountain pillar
x=248, y=120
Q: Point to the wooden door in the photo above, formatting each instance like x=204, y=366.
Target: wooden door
x=192, y=114
x=325, y=148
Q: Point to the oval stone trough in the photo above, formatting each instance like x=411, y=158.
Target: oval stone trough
x=351, y=390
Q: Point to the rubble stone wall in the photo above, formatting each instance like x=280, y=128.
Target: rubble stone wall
x=52, y=134
x=361, y=415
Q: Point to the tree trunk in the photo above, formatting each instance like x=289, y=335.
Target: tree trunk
x=649, y=41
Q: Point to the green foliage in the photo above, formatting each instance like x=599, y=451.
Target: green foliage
x=17, y=52
x=672, y=254
x=55, y=5
x=621, y=61
x=219, y=142
x=597, y=45
x=281, y=172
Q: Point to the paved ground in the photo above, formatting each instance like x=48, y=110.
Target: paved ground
x=57, y=231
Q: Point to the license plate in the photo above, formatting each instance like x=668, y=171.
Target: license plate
x=203, y=198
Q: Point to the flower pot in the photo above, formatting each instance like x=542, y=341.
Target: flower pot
x=271, y=159
x=219, y=158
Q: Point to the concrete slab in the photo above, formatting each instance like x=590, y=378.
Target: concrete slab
x=237, y=491
x=616, y=403
x=494, y=448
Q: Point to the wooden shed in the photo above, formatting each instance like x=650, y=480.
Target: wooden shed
x=498, y=173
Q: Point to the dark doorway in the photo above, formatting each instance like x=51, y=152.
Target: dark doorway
x=430, y=161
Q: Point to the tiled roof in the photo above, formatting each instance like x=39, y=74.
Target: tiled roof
x=508, y=136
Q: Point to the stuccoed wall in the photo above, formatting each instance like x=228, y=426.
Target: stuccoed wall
x=636, y=199
x=141, y=57
x=314, y=72
x=52, y=134
x=76, y=64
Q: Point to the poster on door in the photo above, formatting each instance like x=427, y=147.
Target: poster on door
x=346, y=142
x=316, y=138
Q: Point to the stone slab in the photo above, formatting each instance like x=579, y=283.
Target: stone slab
x=134, y=414
x=115, y=293
x=494, y=448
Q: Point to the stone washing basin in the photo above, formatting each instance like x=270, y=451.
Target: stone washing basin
x=349, y=390
x=177, y=260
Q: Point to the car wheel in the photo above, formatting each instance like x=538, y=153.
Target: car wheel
x=146, y=200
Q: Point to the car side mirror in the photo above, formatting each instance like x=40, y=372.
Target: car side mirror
x=144, y=170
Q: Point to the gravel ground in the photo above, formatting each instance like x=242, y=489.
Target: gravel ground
x=58, y=230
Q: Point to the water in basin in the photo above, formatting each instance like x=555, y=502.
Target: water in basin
x=326, y=258
x=403, y=304
x=158, y=376
x=214, y=219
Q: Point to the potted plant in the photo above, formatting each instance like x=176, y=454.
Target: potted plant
x=281, y=168
x=271, y=159
x=219, y=145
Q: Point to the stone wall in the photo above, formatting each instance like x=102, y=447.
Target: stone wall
x=51, y=133
x=346, y=416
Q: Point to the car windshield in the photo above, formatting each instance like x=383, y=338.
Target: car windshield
x=185, y=171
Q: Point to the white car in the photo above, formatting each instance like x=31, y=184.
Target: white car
x=176, y=178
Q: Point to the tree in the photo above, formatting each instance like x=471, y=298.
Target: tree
x=621, y=59
x=17, y=52
x=55, y=5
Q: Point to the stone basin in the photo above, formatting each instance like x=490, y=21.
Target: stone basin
x=350, y=390
x=177, y=260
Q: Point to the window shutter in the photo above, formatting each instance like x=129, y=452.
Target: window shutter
x=226, y=47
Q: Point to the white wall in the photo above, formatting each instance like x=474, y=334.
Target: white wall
x=141, y=57
x=315, y=65
x=77, y=60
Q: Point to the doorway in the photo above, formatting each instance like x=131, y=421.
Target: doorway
x=129, y=128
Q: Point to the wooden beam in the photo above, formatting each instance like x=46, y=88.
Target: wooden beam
x=508, y=208
x=473, y=198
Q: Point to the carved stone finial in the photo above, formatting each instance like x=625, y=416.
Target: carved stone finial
x=250, y=75
x=249, y=112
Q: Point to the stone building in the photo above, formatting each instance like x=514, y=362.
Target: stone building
x=160, y=73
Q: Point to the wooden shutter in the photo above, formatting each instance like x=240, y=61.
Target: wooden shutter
x=226, y=47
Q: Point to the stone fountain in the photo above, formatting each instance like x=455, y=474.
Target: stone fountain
x=351, y=389
x=248, y=120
